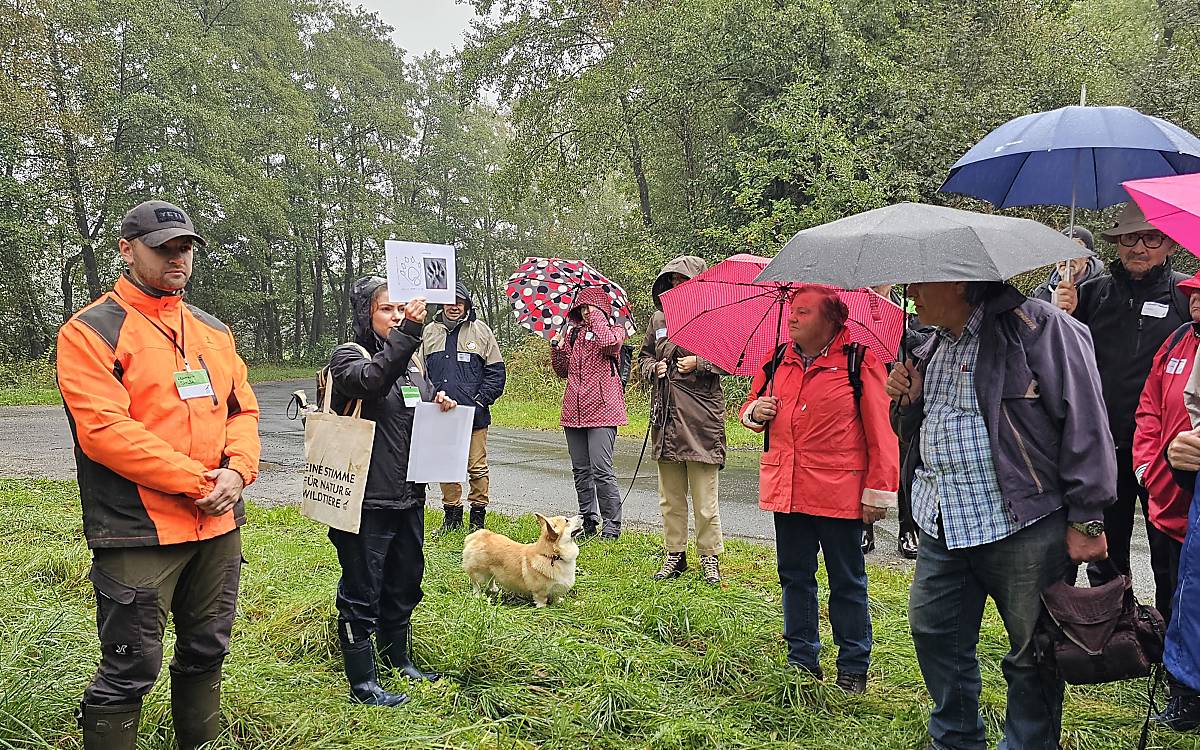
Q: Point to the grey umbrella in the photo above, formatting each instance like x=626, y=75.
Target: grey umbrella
x=913, y=242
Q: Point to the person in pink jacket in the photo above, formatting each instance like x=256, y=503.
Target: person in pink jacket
x=832, y=464
x=586, y=352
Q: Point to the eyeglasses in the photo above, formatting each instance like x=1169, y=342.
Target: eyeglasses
x=1152, y=240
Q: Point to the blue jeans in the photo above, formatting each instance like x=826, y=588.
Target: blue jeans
x=945, y=609
x=798, y=536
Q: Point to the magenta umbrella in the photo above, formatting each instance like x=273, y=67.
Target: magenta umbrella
x=735, y=322
x=1173, y=205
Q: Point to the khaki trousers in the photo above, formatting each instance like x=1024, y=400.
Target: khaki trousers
x=674, y=480
x=477, y=475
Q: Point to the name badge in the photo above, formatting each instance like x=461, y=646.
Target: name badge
x=661, y=333
x=193, y=384
x=1176, y=366
x=464, y=356
x=589, y=335
x=1155, y=309
x=412, y=395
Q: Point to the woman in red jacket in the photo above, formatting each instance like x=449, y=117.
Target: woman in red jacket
x=586, y=352
x=1162, y=415
x=832, y=464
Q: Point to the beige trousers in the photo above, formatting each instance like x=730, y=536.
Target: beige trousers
x=477, y=475
x=674, y=480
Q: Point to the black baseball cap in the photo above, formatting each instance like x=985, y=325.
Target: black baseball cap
x=155, y=222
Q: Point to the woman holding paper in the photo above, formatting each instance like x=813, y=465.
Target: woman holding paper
x=382, y=565
x=586, y=353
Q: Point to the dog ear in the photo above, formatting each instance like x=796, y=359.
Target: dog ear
x=550, y=530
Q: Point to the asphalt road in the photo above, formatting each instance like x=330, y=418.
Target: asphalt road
x=530, y=471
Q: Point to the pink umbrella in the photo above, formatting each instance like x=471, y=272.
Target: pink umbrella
x=1173, y=205
x=734, y=322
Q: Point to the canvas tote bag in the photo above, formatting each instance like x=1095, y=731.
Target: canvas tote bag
x=337, y=455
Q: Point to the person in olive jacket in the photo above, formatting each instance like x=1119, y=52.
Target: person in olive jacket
x=383, y=563
x=687, y=431
x=1130, y=312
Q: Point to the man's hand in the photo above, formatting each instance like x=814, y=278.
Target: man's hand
x=414, y=310
x=444, y=401
x=1066, y=296
x=764, y=409
x=1184, y=451
x=686, y=365
x=1083, y=548
x=223, y=496
x=660, y=368
x=871, y=514
x=905, y=384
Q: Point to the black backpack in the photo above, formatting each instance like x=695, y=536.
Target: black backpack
x=854, y=359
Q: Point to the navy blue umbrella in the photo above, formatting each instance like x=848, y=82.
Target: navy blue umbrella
x=1074, y=156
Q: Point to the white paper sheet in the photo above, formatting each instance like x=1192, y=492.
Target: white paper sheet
x=418, y=269
x=440, y=443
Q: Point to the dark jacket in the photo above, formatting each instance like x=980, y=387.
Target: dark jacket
x=1182, y=653
x=1045, y=292
x=687, y=412
x=394, y=363
x=1041, y=403
x=1113, y=307
x=463, y=359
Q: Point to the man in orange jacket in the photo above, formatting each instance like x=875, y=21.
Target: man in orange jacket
x=166, y=438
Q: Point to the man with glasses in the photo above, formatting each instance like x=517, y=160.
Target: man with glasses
x=1131, y=310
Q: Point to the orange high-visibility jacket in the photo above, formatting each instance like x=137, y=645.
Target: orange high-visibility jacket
x=142, y=451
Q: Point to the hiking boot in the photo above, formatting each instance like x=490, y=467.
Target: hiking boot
x=196, y=708
x=359, y=659
x=868, y=538
x=478, y=514
x=590, y=529
x=109, y=727
x=395, y=652
x=852, y=683
x=710, y=569
x=907, y=545
x=674, y=564
x=1182, y=714
x=453, y=520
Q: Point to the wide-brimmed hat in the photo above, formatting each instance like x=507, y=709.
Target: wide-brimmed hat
x=155, y=222
x=1130, y=220
x=1190, y=284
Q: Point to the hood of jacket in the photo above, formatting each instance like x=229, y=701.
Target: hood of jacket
x=591, y=295
x=462, y=292
x=1093, y=269
x=685, y=265
x=361, y=295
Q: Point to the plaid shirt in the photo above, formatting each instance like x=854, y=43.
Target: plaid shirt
x=958, y=477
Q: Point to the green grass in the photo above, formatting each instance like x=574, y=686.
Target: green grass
x=623, y=662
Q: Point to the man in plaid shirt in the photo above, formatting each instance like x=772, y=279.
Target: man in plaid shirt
x=1011, y=468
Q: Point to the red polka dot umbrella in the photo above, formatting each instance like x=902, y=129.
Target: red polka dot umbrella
x=542, y=291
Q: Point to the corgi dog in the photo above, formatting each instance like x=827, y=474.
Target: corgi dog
x=544, y=570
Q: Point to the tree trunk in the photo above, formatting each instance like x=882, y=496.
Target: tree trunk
x=635, y=162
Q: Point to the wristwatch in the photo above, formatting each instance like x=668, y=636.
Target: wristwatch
x=1092, y=529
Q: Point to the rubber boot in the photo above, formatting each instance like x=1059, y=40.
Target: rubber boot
x=359, y=659
x=395, y=652
x=453, y=520
x=196, y=708
x=109, y=727
x=477, y=516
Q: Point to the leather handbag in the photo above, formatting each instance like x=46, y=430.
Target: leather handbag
x=1089, y=636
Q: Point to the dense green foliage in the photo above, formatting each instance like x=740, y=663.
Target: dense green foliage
x=623, y=662
x=626, y=132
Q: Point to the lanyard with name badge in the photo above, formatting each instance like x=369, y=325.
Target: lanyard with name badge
x=188, y=382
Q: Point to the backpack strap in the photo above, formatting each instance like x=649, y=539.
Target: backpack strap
x=854, y=359
x=770, y=366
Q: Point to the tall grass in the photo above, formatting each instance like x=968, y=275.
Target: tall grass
x=622, y=662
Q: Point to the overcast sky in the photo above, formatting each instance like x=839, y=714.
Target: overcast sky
x=423, y=25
